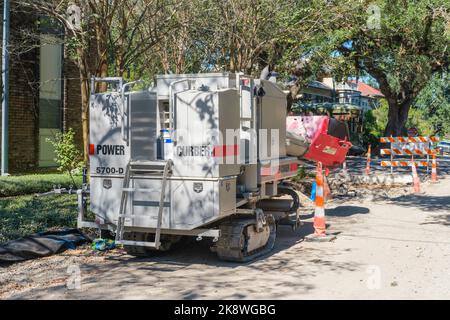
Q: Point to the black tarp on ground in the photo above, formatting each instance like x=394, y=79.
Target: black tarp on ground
x=40, y=245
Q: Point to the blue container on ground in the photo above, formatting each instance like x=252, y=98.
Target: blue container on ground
x=313, y=191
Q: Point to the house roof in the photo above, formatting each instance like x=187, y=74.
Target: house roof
x=367, y=90
x=318, y=84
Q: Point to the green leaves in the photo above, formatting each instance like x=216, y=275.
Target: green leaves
x=401, y=51
x=434, y=103
x=68, y=157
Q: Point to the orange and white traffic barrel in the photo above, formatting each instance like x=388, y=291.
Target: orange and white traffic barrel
x=434, y=177
x=369, y=159
x=319, y=214
x=416, y=180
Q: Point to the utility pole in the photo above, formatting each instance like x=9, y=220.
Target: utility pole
x=5, y=82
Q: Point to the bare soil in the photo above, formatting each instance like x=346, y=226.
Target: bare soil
x=390, y=244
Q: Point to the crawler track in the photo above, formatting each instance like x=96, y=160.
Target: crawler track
x=233, y=242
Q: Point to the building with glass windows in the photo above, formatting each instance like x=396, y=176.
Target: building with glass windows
x=44, y=92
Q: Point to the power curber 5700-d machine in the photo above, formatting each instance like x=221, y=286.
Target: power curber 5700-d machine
x=200, y=155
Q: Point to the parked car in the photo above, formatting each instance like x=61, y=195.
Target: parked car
x=444, y=147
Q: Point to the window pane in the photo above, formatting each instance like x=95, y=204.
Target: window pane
x=50, y=113
x=50, y=96
x=50, y=82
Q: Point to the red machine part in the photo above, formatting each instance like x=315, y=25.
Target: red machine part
x=325, y=148
x=329, y=150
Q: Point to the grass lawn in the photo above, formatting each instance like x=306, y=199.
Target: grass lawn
x=24, y=215
x=35, y=183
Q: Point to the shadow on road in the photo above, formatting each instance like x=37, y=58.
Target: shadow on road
x=424, y=202
x=347, y=211
x=341, y=211
x=443, y=219
x=191, y=271
x=439, y=206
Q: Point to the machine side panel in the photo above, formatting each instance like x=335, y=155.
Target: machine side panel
x=188, y=204
x=229, y=120
x=273, y=116
x=194, y=203
x=227, y=196
x=109, y=152
x=105, y=197
x=201, y=118
x=196, y=126
x=144, y=125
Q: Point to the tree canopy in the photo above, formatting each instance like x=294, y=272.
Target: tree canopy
x=402, y=45
x=434, y=103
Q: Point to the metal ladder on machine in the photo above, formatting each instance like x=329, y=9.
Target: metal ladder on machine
x=148, y=168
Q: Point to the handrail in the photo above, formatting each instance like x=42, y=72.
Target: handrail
x=122, y=93
x=107, y=80
x=172, y=102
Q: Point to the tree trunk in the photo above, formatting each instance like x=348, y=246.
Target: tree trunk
x=397, y=118
x=84, y=83
x=294, y=90
x=103, y=73
x=102, y=70
x=85, y=117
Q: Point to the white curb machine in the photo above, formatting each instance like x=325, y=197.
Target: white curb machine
x=200, y=155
